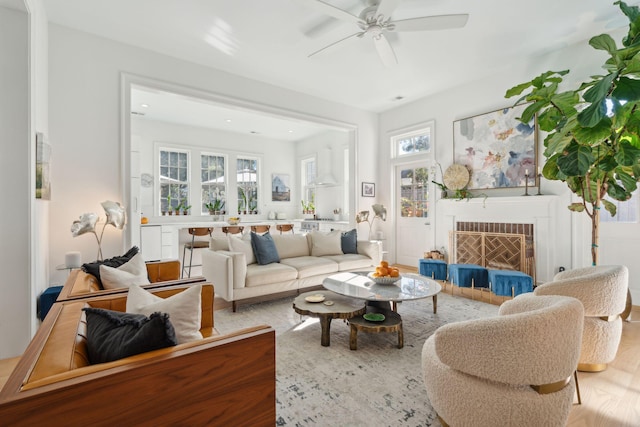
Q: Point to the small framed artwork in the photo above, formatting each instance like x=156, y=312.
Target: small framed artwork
x=497, y=148
x=280, y=190
x=43, y=174
x=368, y=189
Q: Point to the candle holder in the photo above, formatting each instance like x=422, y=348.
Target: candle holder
x=526, y=184
x=539, y=184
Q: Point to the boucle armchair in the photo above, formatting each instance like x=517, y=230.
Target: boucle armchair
x=603, y=293
x=515, y=369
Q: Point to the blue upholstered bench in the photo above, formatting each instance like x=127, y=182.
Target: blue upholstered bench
x=510, y=283
x=464, y=274
x=434, y=268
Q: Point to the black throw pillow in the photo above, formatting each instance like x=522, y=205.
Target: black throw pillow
x=112, y=335
x=349, y=242
x=264, y=248
x=115, y=262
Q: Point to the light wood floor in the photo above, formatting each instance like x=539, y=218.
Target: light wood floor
x=609, y=399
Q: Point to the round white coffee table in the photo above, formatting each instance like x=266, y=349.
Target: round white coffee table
x=356, y=284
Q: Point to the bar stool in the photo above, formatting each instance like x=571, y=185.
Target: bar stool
x=284, y=227
x=260, y=228
x=195, y=244
x=234, y=229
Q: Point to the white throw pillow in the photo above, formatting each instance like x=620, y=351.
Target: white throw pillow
x=326, y=243
x=237, y=244
x=133, y=272
x=184, y=309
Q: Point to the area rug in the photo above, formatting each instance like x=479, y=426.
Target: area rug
x=375, y=385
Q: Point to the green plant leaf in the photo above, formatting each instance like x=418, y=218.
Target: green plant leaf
x=607, y=163
x=576, y=207
x=595, y=134
x=604, y=42
x=617, y=191
x=591, y=115
x=576, y=160
x=531, y=110
x=628, y=182
x=517, y=90
x=627, y=89
x=628, y=155
x=636, y=170
x=600, y=90
x=633, y=13
x=557, y=143
x=610, y=207
x=550, y=169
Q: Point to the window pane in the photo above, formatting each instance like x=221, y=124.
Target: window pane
x=414, y=192
x=416, y=142
x=213, y=190
x=247, y=185
x=173, y=179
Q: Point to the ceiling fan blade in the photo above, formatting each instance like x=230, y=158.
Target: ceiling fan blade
x=358, y=34
x=386, y=8
x=333, y=11
x=385, y=51
x=431, y=23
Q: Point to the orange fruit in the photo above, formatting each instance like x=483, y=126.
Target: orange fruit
x=394, y=272
x=384, y=264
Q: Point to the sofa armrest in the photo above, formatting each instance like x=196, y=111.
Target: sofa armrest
x=226, y=270
x=371, y=249
x=162, y=271
x=226, y=380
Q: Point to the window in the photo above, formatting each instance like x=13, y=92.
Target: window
x=414, y=192
x=416, y=142
x=627, y=211
x=308, y=175
x=174, y=179
x=247, y=176
x=213, y=182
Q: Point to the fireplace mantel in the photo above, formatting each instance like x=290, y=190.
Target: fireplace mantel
x=541, y=211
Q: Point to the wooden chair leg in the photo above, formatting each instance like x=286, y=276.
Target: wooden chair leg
x=575, y=375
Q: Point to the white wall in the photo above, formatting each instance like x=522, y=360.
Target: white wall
x=23, y=111
x=84, y=80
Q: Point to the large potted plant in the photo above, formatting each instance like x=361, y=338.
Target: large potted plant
x=593, y=140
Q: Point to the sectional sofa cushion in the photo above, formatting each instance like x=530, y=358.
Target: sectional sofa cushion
x=264, y=248
x=184, y=309
x=348, y=262
x=276, y=272
x=237, y=244
x=132, y=272
x=308, y=266
x=326, y=243
x=291, y=245
x=113, y=335
x=349, y=242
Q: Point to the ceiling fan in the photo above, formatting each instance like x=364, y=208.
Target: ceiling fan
x=375, y=20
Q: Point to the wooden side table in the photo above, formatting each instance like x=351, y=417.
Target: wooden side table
x=342, y=308
x=392, y=323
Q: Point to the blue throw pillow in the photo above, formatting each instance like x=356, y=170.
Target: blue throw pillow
x=349, y=242
x=112, y=335
x=264, y=248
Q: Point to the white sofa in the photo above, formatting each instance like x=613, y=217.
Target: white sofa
x=305, y=261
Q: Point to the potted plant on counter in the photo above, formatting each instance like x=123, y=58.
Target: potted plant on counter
x=308, y=209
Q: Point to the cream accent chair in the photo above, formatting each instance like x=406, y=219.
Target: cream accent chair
x=603, y=292
x=516, y=369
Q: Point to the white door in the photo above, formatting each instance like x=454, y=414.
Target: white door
x=412, y=211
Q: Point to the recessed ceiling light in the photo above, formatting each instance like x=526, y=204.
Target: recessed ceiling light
x=290, y=131
x=254, y=132
x=144, y=105
x=228, y=120
x=398, y=98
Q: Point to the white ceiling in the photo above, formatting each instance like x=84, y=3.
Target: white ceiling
x=270, y=40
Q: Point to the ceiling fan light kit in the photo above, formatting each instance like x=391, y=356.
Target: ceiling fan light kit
x=375, y=20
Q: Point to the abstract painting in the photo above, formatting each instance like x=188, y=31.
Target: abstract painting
x=497, y=148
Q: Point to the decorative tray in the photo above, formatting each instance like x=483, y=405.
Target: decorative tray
x=384, y=280
x=314, y=298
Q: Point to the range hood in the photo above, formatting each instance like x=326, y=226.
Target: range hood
x=324, y=177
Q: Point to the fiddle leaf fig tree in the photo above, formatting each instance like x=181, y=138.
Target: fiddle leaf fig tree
x=593, y=140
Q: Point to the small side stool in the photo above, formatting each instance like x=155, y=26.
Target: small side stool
x=468, y=276
x=392, y=323
x=510, y=283
x=434, y=268
x=46, y=300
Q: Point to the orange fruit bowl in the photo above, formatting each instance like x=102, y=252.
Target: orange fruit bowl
x=383, y=280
